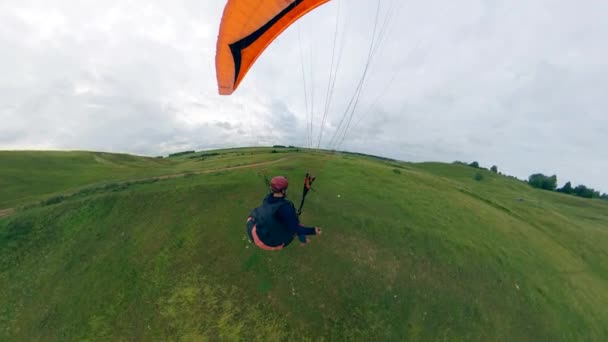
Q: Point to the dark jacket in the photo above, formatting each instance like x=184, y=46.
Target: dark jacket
x=277, y=222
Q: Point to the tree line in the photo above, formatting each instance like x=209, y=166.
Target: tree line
x=549, y=183
x=541, y=181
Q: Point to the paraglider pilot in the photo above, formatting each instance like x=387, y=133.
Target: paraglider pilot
x=273, y=225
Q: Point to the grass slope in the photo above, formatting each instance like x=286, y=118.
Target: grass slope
x=26, y=177
x=416, y=251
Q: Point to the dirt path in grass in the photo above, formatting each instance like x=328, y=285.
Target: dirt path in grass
x=6, y=212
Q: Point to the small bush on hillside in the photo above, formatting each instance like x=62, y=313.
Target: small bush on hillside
x=397, y=171
x=474, y=164
x=478, y=176
x=16, y=230
x=494, y=169
x=86, y=191
x=121, y=187
x=274, y=151
x=111, y=186
x=53, y=200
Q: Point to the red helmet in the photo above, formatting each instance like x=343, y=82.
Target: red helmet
x=279, y=183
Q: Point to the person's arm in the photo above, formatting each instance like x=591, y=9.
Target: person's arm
x=289, y=218
x=304, y=240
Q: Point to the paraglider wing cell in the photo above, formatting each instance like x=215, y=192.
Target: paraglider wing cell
x=246, y=30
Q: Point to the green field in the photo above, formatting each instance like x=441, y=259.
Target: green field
x=418, y=252
x=29, y=176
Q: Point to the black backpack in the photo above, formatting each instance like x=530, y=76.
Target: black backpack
x=269, y=229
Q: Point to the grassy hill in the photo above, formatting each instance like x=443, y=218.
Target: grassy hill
x=29, y=176
x=409, y=251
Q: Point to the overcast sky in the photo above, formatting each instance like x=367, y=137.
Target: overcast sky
x=519, y=84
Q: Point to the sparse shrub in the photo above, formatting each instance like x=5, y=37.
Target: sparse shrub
x=121, y=187
x=274, y=151
x=111, y=186
x=16, y=230
x=86, y=191
x=53, y=200
x=478, y=176
x=397, y=171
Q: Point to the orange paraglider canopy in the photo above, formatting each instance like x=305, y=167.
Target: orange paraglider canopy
x=246, y=30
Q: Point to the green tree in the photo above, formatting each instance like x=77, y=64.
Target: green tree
x=474, y=164
x=567, y=188
x=494, y=169
x=585, y=192
x=538, y=180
